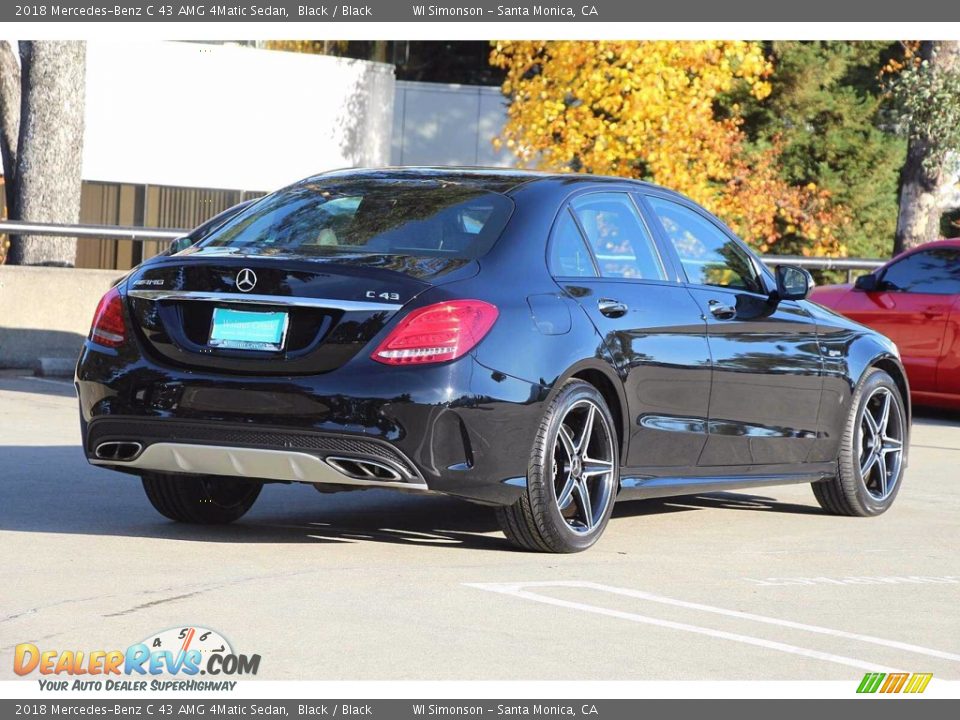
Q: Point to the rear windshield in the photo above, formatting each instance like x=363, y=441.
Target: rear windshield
x=429, y=218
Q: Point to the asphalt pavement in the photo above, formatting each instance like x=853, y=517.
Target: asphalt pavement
x=376, y=585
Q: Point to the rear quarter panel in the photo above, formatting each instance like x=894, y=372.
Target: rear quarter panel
x=542, y=335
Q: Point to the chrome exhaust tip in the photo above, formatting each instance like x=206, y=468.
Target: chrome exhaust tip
x=120, y=450
x=362, y=469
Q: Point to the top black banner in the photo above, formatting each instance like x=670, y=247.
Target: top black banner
x=480, y=11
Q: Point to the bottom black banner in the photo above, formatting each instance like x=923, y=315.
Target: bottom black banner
x=877, y=709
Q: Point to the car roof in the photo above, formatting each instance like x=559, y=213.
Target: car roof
x=493, y=179
x=945, y=242
x=933, y=244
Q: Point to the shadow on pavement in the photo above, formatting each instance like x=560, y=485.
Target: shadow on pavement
x=20, y=347
x=936, y=416
x=51, y=489
x=743, y=501
x=23, y=381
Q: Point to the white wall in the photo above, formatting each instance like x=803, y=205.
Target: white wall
x=437, y=124
x=177, y=113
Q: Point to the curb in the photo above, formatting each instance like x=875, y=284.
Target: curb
x=55, y=367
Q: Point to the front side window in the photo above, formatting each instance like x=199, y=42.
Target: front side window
x=617, y=236
x=708, y=255
x=935, y=272
x=409, y=217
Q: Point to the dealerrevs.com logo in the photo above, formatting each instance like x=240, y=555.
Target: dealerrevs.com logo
x=153, y=664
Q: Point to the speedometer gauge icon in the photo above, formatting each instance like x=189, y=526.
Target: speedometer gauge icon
x=184, y=639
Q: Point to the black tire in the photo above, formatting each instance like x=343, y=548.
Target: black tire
x=536, y=522
x=200, y=499
x=848, y=493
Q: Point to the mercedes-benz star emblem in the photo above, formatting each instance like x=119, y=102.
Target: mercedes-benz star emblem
x=246, y=280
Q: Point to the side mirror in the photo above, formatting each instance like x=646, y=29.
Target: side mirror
x=867, y=283
x=793, y=283
x=181, y=243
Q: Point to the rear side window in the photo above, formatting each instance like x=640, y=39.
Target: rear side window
x=617, y=236
x=421, y=218
x=569, y=256
x=708, y=256
x=935, y=272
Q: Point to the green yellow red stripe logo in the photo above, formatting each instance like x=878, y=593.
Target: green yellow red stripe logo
x=894, y=683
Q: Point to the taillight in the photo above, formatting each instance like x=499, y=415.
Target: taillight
x=437, y=333
x=108, y=326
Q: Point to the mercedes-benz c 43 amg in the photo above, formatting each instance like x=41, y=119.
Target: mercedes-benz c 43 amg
x=545, y=344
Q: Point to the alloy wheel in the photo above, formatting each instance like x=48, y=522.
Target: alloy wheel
x=583, y=467
x=881, y=436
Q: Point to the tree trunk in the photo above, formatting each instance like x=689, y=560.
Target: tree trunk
x=9, y=118
x=9, y=130
x=921, y=188
x=50, y=145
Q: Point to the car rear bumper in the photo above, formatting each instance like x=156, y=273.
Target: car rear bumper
x=272, y=465
x=456, y=428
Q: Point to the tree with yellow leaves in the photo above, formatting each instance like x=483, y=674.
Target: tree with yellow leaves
x=652, y=110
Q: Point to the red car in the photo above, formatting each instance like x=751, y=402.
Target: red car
x=915, y=301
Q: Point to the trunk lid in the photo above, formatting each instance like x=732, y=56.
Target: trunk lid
x=333, y=305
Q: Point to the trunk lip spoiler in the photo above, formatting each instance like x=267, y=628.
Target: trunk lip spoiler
x=285, y=300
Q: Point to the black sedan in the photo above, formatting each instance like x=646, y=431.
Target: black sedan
x=541, y=343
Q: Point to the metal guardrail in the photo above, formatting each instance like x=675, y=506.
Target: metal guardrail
x=850, y=265
x=141, y=234
x=824, y=263
x=99, y=232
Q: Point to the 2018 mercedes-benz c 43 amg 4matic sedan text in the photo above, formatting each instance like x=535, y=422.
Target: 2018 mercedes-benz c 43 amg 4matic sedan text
x=545, y=344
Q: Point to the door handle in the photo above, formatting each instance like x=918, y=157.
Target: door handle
x=721, y=311
x=611, y=308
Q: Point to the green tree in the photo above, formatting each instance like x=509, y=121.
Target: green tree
x=826, y=111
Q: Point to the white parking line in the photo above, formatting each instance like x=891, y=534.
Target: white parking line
x=855, y=580
x=517, y=590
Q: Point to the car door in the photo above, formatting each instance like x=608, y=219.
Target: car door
x=767, y=366
x=604, y=256
x=948, y=369
x=911, y=306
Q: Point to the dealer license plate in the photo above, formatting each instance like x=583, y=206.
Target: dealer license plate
x=248, y=330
